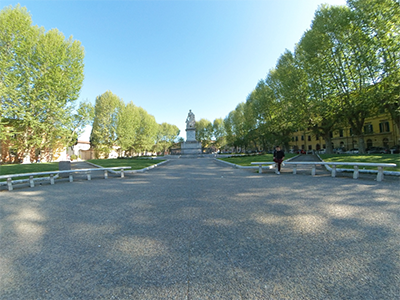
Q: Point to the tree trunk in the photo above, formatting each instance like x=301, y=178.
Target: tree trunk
x=328, y=143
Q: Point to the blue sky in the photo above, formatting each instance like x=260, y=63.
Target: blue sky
x=172, y=56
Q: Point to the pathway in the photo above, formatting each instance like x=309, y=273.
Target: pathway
x=197, y=229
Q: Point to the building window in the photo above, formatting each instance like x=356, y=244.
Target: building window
x=331, y=134
x=309, y=147
x=302, y=137
x=368, y=128
x=297, y=138
x=384, y=126
x=309, y=138
x=369, y=143
x=351, y=131
x=340, y=132
x=317, y=137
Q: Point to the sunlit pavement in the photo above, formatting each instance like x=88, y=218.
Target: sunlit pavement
x=198, y=229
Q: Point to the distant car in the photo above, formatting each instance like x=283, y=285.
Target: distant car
x=339, y=150
x=395, y=149
x=322, y=151
x=376, y=150
x=352, y=151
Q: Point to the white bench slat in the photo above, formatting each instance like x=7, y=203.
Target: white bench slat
x=260, y=164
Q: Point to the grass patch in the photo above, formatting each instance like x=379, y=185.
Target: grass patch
x=370, y=158
x=28, y=168
x=134, y=163
x=247, y=160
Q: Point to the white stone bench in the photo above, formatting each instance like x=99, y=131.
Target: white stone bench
x=260, y=165
x=51, y=174
x=333, y=165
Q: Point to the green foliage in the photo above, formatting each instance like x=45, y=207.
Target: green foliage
x=204, y=132
x=127, y=127
x=135, y=163
x=28, y=168
x=219, y=133
x=146, y=133
x=41, y=74
x=166, y=136
x=380, y=23
x=104, y=131
x=345, y=69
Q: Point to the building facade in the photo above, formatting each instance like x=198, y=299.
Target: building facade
x=379, y=131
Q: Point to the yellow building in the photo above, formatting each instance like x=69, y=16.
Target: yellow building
x=380, y=131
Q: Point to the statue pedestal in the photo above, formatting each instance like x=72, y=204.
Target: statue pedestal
x=191, y=146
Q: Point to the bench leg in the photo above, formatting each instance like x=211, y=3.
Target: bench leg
x=333, y=172
x=51, y=178
x=356, y=172
x=313, y=170
x=294, y=169
x=9, y=184
x=89, y=176
x=379, y=176
x=71, y=178
x=260, y=169
x=105, y=174
x=31, y=182
x=122, y=173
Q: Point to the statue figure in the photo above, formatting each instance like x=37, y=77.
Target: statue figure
x=190, y=121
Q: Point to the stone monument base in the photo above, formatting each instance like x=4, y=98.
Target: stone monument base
x=191, y=148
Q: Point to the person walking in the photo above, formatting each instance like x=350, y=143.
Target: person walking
x=279, y=156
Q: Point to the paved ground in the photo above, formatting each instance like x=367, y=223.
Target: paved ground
x=76, y=165
x=198, y=229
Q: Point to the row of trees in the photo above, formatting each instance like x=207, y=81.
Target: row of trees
x=129, y=127
x=207, y=132
x=345, y=68
x=41, y=74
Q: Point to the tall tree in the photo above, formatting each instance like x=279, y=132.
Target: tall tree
x=166, y=136
x=204, y=132
x=219, y=133
x=346, y=63
x=380, y=24
x=128, y=122
x=104, y=131
x=41, y=74
x=263, y=111
x=288, y=84
x=146, y=133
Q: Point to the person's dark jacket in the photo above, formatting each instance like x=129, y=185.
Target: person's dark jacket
x=279, y=155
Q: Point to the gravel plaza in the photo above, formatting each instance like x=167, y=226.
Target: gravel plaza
x=199, y=229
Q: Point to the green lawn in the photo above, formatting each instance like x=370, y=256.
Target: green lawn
x=246, y=160
x=135, y=163
x=370, y=158
x=28, y=168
